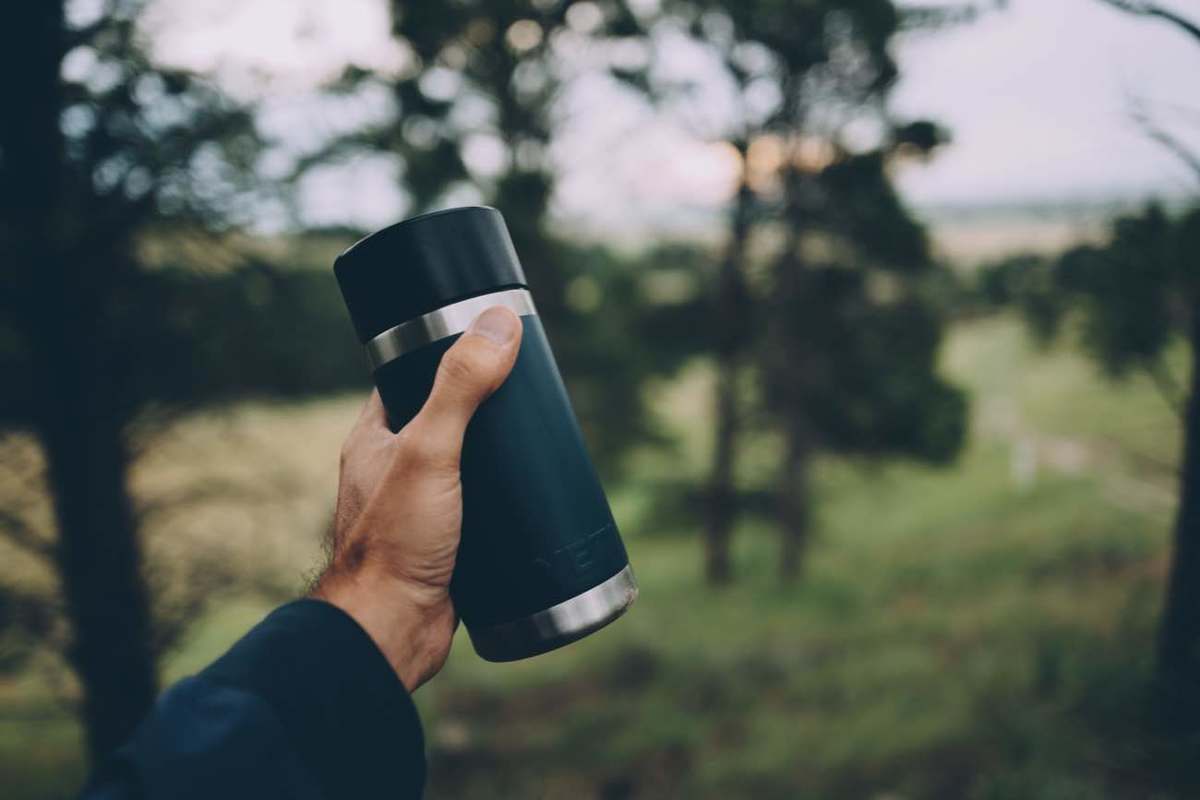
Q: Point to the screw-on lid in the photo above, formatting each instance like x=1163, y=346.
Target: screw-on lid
x=423, y=263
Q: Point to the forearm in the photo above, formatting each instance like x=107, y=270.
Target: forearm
x=305, y=705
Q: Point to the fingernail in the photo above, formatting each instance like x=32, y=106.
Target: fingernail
x=497, y=323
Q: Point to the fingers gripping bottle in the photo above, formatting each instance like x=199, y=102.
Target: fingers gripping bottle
x=541, y=563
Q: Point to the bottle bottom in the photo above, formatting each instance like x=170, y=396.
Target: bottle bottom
x=561, y=624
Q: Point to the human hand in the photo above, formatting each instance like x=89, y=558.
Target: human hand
x=399, y=507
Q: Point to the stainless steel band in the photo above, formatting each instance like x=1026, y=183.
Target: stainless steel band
x=569, y=620
x=446, y=321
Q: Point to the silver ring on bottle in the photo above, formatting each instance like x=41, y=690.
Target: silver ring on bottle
x=446, y=321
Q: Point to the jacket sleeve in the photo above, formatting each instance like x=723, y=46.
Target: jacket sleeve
x=304, y=706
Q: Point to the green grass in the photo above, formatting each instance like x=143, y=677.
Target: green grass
x=978, y=631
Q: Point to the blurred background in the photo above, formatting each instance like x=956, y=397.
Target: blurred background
x=880, y=318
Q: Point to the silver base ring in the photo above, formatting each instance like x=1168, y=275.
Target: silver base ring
x=560, y=624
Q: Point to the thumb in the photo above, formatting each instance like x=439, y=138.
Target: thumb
x=469, y=372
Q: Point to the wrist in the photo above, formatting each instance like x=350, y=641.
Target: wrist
x=411, y=625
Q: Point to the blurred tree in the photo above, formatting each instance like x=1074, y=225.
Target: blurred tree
x=1138, y=294
x=846, y=335
x=849, y=355
x=724, y=311
x=97, y=142
x=1134, y=296
x=732, y=321
x=851, y=350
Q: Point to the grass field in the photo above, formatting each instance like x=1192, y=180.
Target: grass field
x=980, y=631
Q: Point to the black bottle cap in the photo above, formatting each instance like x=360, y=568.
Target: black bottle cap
x=423, y=263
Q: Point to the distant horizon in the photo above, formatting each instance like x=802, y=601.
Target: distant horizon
x=966, y=234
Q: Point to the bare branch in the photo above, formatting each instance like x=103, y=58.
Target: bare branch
x=1168, y=141
x=1145, y=9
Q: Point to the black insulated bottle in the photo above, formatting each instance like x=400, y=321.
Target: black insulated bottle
x=541, y=563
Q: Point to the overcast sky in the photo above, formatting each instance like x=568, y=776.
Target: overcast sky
x=1037, y=97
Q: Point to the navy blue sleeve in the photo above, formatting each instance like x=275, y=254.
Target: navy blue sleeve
x=304, y=706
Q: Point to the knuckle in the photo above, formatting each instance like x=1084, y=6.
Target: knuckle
x=459, y=365
x=417, y=452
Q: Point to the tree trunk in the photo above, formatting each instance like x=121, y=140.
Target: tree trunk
x=1179, y=633
x=721, y=492
x=58, y=298
x=98, y=560
x=793, y=495
x=794, y=511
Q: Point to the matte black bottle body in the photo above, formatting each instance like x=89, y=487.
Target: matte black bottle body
x=537, y=529
x=541, y=562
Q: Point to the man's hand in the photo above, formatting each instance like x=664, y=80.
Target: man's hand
x=399, y=506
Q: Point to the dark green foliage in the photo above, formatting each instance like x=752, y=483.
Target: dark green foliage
x=1131, y=294
x=843, y=329
x=254, y=331
x=921, y=136
x=264, y=331
x=867, y=383
x=850, y=354
x=610, y=337
x=861, y=207
x=1133, y=290
x=1025, y=282
x=189, y=338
